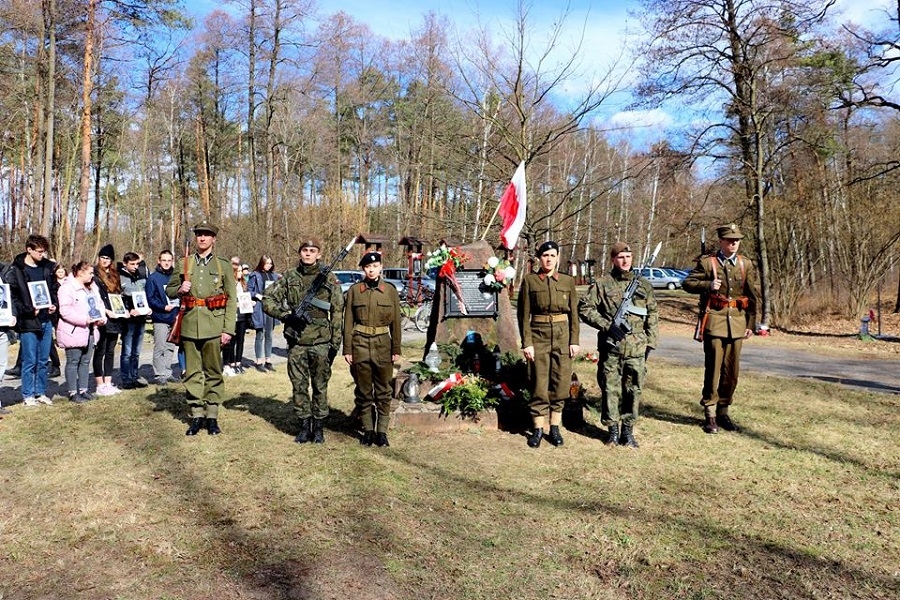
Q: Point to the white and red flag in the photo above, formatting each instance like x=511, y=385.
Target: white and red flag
x=512, y=208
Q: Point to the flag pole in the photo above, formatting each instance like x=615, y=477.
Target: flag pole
x=491, y=222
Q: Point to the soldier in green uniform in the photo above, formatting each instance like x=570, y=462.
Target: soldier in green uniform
x=623, y=355
x=209, y=298
x=312, y=347
x=729, y=289
x=372, y=345
x=548, y=325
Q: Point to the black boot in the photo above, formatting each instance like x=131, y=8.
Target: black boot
x=628, y=436
x=305, y=431
x=212, y=427
x=368, y=438
x=710, y=426
x=726, y=423
x=613, y=439
x=534, y=440
x=318, y=427
x=197, y=424
x=381, y=439
x=554, y=437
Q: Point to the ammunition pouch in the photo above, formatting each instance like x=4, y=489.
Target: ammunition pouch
x=212, y=302
x=720, y=302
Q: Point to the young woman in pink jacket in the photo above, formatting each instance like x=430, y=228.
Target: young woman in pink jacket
x=81, y=312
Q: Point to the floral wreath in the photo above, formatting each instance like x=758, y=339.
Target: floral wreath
x=445, y=261
x=497, y=274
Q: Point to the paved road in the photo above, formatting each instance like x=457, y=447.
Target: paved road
x=757, y=356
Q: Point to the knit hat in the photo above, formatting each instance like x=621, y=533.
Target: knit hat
x=108, y=251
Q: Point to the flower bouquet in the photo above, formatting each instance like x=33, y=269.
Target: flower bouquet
x=445, y=261
x=497, y=274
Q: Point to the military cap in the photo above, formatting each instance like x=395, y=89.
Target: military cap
x=368, y=258
x=729, y=232
x=310, y=243
x=618, y=248
x=549, y=245
x=206, y=227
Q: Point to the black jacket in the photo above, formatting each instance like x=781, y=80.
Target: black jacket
x=26, y=320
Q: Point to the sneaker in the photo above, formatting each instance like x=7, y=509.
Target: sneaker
x=86, y=394
x=260, y=368
x=140, y=383
x=161, y=382
x=173, y=379
x=104, y=390
x=43, y=399
x=30, y=401
x=112, y=389
x=228, y=371
x=54, y=372
x=77, y=398
x=14, y=373
x=270, y=367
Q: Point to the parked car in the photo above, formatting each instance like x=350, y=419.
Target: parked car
x=398, y=277
x=348, y=278
x=680, y=273
x=659, y=278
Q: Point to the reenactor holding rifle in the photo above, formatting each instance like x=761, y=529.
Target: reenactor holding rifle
x=729, y=288
x=208, y=298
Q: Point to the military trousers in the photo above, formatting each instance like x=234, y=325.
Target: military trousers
x=203, y=381
x=551, y=371
x=722, y=360
x=372, y=370
x=621, y=380
x=310, y=366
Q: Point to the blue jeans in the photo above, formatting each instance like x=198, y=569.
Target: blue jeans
x=262, y=346
x=132, y=339
x=35, y=351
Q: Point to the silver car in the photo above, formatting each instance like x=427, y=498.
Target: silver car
x=660, y=279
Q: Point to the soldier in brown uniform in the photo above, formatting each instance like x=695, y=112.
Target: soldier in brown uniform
x=372, y=345
x=728, y=287
x=548, y=324
x=209, y=297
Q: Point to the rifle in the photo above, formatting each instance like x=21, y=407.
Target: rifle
x=703, y=315
x=703, y=241
x=174, y=336
x=619, y=327
x=300, y=315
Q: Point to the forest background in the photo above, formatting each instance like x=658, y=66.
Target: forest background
x=126, y=121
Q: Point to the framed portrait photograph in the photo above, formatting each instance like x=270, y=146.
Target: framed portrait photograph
x=245, y=303
x=176, y=302
x=5, y=306
x=117, y=306
x=94, y=304
x=140, y=303
x=40, y=294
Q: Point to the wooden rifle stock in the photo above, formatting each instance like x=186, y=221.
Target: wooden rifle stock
x=174, y=336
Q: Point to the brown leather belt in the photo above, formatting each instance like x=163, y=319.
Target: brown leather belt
x=371, y=330
x=213, y=302
x=719, y=302
x=549, y=318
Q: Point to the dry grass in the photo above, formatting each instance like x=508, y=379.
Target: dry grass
x=111, y=500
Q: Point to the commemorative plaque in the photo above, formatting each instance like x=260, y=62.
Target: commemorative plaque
x=480, y=301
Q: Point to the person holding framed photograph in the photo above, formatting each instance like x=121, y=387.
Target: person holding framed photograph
x=77, y=331
x=134, y=282
x=6, y=325
x=35, y=325
x=108, y=284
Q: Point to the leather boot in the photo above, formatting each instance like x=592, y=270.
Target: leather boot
x=534, y=440
x=381, y=439
x=613, y=439
x=628, y=436
x=212, y=427
x=710, y=426
x=318, y=428
x=724, y=421
x=368, y=438
x=554, y=436
x=197, y=423
x=305, y=431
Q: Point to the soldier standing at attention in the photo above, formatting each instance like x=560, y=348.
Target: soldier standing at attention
x=623, y=356
x=729, y=289
x=209, y=298
x=548, y=324
x=371, y=346
x=312, y=347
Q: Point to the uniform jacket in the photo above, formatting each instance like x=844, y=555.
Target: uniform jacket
x=729, y=322
x=72, y=330
x=209, y=276
x=599, y=306
x=26, y=320
x=286, y=295
x=156, y=296
x=542, y=294
x=256, y=285
x=377, y=306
